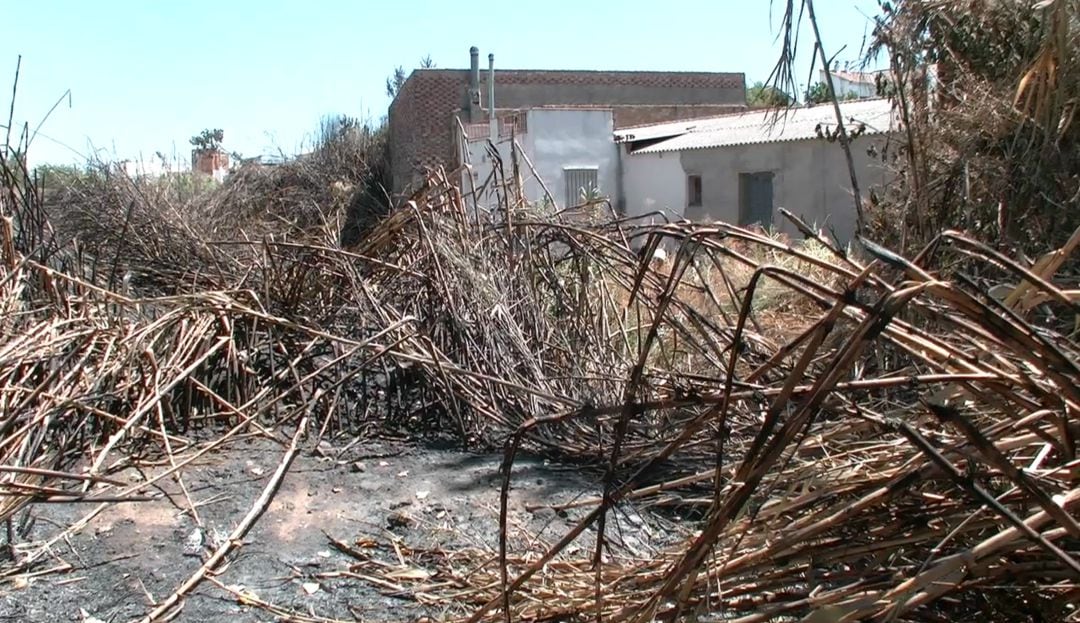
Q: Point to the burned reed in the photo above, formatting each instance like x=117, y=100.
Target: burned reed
x=845, y=437
x=904, y=450
x=900, y=450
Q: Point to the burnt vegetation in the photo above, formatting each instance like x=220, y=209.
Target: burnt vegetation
x=885, y=433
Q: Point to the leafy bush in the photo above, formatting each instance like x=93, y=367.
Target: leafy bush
x=988, y=94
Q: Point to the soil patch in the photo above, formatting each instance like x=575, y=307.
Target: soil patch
x=131, y=556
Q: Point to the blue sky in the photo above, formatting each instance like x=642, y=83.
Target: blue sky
x=146, y=75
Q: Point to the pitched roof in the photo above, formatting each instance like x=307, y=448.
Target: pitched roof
x=758, y=126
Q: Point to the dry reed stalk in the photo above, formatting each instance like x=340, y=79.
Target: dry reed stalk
x=241, y=529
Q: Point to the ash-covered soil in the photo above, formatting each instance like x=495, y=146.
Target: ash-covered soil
x=131, y=556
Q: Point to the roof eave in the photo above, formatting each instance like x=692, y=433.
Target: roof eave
x=659, y=148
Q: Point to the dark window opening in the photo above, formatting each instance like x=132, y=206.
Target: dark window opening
x=693, y=191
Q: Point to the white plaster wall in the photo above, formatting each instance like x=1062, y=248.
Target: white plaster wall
x=811, y=180
x=563, y=138
x=843, y=86
x=555, y=139
x=480, y=167
x=654, y=183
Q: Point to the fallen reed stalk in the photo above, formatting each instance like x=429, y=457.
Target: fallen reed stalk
x=237, y=535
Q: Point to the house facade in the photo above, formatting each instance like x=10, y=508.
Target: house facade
x=742, y=168
x=436, y=108
x=668, y=144
x=561, y=155
x=855, y=84
x=211, y=162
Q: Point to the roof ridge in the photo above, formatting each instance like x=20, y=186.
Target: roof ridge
x=750, y=111
x=676, y=72
x=804, y=124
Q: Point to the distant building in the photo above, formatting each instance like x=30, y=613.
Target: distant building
x=857, y=84
x=150, y=168
x=436, y=108
x=212, y=162
x=570, y=149
x=679, y=144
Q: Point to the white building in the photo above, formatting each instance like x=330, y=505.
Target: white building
x=742, y=168
x=146, y=167
x=857, y=84
x=738, y=168
x=570, y=149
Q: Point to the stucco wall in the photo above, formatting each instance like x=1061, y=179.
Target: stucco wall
x=652, y=183
x=480, y=168
x=844, y=84
x=811, y=180
x=555, y=140
x=559, y=139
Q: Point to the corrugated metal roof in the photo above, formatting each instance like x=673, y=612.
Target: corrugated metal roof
x=758, y=126
x=658, y=130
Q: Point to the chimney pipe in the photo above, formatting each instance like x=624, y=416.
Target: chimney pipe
x=491, y=98
x=474, y=84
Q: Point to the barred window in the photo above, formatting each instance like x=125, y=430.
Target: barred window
x=581, y=184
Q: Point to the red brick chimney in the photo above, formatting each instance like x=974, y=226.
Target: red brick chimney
x=212, y=162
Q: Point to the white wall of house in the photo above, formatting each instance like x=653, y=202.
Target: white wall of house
x=846, y=83
x=811, y=180
x=558, y=139
x=480, y=166
x=152, y=167
x=555, y=140
x=654, y=183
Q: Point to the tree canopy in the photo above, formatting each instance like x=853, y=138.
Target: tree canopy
x=819, y=94
x=396, y=79
x=762, y=96
x=208, y=140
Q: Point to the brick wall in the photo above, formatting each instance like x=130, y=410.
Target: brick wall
x=521, y=89
x=421, y=123
x=629, y=116
x=664, y=79
x=212, y=162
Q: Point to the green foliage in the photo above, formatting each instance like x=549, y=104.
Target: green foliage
x=208, y=140
x=762, y=96
x=57, y=176
x=395, y=80
x=185, y=187
x=819, y=94
x=992, y=135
